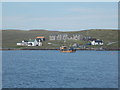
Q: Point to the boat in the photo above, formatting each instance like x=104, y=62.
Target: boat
x=65, y=49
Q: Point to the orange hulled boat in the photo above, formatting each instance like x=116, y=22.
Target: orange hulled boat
x=65, y=49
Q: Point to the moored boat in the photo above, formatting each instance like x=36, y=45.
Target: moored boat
x=65, y=49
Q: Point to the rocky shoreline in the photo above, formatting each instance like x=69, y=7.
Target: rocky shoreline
x=95, y=49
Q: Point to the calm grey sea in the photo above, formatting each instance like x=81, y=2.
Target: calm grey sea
x=54, y=69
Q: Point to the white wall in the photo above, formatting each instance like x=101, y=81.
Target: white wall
x=19, y=43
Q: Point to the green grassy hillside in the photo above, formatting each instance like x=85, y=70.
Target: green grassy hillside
x=11, y=37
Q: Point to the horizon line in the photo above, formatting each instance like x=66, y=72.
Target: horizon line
x=65, y=30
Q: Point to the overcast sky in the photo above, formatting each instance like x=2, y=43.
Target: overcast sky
x=62, y=16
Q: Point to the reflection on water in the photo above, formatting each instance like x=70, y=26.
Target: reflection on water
x=53, y=69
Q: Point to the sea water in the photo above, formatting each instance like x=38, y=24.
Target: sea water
x=54, y=69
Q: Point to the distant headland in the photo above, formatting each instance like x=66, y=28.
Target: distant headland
x=93, y=39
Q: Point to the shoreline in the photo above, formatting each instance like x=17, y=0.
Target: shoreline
x=59, y=49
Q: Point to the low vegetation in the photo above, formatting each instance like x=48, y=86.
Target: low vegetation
x=11, y=37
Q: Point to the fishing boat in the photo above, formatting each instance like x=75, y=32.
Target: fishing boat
x=65, y=49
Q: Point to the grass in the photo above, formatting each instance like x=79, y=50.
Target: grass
x=11, y=37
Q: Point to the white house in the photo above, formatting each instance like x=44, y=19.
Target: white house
x=75, y=45
x=32, y=42
x=23, y=43
x=97, y=42
x=39, y=43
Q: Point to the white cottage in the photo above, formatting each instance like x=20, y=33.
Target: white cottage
x=97, y=42
x=23, y=43
x=32, y=42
